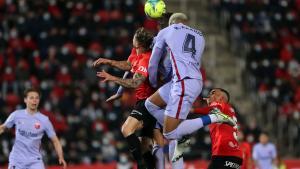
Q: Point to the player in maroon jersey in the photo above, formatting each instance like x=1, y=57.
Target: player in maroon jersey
x=226, y=152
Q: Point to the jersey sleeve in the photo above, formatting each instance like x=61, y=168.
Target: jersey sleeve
x=10, y=121
x=49, y=129
x=143, y=65
x=156, y=56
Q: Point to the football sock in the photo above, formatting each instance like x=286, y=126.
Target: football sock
x=158, y=152
x=178, y=164
x=187, y=127
x=149, y=160
x=157, y=112
x=134, y=145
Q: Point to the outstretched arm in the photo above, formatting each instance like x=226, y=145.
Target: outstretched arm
x=59, y=151
x=128, y=83
x=120, y=90
x=123, y=65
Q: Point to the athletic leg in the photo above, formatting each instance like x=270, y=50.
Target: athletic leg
x=128, y=129
x=156, y=103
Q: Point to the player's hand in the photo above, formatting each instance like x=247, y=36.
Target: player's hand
x=114, y=97
x=106, y=76
x=101, y=61
x=62, y=162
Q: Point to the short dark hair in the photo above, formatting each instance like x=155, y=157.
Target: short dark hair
x=144, y=38
x=226, y=93
x=26, y=91
x=264, y=133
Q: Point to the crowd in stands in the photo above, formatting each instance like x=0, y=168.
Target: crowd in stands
x=51, y=44
x=267, y=34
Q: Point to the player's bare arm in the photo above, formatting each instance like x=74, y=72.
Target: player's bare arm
x=122, y=65
x=2, y=128
x=120, y=90
x=59, y=151
x=128, y=83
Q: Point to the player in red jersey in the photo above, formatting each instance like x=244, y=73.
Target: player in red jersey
x=137, y=63
x=226, y=152
x=246, y=149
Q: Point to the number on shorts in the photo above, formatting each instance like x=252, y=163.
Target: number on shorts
x=189, y=44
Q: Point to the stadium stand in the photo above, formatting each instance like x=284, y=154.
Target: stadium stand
x=52, y=43
x=267, y=34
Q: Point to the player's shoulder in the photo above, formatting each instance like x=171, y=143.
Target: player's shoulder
x=18, y=112
x=42, y=116
x=271, y=145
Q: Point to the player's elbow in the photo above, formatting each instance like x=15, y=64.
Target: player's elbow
x=2, y=128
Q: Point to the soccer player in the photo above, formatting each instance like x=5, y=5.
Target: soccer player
x=264, y=153
x=30, y=127
x=246, y=149
x=137, y=63
x=185, y=46
x=226, y=152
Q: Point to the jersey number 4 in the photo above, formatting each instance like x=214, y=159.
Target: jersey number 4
x=189, y=44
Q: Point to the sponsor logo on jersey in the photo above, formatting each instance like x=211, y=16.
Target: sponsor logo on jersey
x=37, y=125
x=142, y=69
x=232, y=165
x=27, y=134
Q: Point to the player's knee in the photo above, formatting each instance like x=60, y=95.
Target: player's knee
x=126, y=130
x=150, y=106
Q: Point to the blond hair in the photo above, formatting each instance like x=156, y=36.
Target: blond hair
x=178, y=18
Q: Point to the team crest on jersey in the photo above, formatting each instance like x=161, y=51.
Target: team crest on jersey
x=37, y=125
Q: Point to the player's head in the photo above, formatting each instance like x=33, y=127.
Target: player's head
x=142, y=39
x=164, y=20
x=178, y=18
x=264, y=138
x=218, y=95
x=32, y=98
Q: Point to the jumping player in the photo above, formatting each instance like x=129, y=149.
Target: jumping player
x=137, y=63
x=30, y=127
x=186, y=46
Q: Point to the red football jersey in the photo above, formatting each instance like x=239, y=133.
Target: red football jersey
x=246, y=149
x=139, y=64
x=223, y=136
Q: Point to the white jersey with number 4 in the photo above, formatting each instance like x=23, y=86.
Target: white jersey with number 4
x=185, y=45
